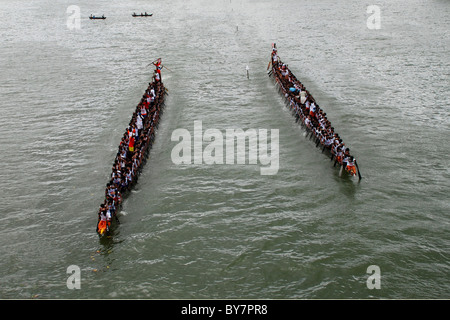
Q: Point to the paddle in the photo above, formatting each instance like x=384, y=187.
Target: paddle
x=152, y=62
x=359, y=174
x=166, y=68
x=117, y=219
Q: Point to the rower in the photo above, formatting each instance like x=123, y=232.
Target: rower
x=284, y=71
x=345, y=157
x=312, y=110
x=131, y=144
x=151, y=97
x=350, y=167
x=108, y=214
x=308, y=121
x=143, y=112
x=158, y=74
x=307, y=105
x=139, y=124
x=274, y=55
x=339, y=154
x=101, y=216
x=347, y=152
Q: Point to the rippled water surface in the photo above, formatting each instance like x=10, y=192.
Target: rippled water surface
x=225, y=231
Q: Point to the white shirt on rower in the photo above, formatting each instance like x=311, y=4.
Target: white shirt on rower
x=139, y=124
x=307, y=122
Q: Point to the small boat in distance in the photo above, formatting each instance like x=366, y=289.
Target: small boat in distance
x=97, y=18
x=142, y=14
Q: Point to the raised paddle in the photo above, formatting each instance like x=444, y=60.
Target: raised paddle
x=152, y=62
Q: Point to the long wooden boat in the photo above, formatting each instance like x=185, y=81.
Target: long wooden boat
x=132, y=154
x=97, y=18
x=308, y=113
x=142, y=15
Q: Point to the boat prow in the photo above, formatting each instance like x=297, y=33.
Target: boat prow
x=103, y=227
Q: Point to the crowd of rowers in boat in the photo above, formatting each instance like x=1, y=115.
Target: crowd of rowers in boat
x=133, y=151
x=312, y=116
